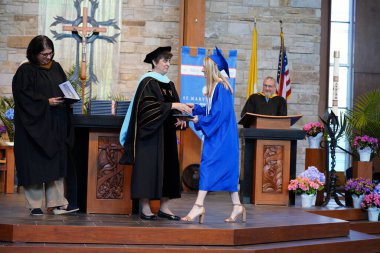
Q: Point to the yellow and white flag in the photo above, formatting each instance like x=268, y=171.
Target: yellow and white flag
x=252, y=74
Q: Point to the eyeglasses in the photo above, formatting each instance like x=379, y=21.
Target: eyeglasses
x=268, y=86
x=47, y=54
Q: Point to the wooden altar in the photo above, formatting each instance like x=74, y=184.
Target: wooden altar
x=270, y=155
x=103, y=184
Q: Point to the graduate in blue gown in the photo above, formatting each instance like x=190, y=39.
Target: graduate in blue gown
x=219, y=167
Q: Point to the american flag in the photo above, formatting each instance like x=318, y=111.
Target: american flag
x=284, y=90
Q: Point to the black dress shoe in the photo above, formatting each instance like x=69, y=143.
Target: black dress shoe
x=148, y=217
x=168, y=216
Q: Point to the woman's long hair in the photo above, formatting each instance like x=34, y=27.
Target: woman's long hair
x=36, y=46
x=213, y=77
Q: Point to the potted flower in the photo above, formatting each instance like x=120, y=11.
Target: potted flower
x=307, y=184
x=7, y=115
x=358, y=187
x=365, y=146
x=314, y=132
x=313, y=174
x=371, y=202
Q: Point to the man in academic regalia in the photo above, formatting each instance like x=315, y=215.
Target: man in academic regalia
x=266, y=102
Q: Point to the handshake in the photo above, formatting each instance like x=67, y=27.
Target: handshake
x=186, y=110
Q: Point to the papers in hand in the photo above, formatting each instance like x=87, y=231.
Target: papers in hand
x=68, y=91
x=183, y=116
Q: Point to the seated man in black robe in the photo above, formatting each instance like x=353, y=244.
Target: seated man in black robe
x=266, y=102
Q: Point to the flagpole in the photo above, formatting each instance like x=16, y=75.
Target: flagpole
x=280, y=63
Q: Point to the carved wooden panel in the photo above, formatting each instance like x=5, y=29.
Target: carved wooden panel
x=272, y=168
x=271, y=172
x=110, y=175
x=108, y=182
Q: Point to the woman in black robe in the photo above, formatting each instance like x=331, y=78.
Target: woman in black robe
x=149, y=137
x=42, y=128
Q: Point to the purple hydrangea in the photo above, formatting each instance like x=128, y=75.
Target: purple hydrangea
x=313, y=173
x=9, y=114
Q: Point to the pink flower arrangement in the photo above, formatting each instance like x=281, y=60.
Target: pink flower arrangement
x=361, y=142
x=313, y=128
x=371, y=200
x=302, y=185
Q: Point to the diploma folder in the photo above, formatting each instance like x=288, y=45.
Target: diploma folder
x=69, y=92
x=183, y=116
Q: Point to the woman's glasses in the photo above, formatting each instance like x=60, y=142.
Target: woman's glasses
x=47, y=54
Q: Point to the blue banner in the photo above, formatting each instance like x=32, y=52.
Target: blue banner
x=193, y=80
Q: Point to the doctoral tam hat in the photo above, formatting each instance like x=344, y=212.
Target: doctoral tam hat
x=152, y=55
x=219, y=59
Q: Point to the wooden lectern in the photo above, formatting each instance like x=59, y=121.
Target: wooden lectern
x=103, y=184
x=269, y=158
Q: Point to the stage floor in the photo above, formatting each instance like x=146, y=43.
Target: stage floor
x=218, y=207
x=267, y=227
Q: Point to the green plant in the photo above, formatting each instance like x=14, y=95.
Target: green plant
x=364, y=118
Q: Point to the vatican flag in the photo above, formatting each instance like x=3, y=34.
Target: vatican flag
x=252, y=74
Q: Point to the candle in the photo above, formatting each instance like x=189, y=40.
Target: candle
x=335, y=83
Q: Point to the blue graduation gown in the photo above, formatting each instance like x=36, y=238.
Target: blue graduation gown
x=219, y=167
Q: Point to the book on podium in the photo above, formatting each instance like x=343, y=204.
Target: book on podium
x=268, y=121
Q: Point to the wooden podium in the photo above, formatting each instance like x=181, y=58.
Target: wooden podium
x=108, y=182
x=269, y=158
x=103, y=185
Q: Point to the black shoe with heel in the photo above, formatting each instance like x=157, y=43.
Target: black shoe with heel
x=168, y=216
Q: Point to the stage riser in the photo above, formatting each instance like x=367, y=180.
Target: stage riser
x=350, y=214
x=169, y=236
x=366, y=227
x=355, y=246
x=358, y=219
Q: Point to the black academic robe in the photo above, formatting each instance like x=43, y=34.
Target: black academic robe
x=152, y=133
x=42, y=132
x=257, y=103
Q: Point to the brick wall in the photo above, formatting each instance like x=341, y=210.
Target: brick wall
x=149, y=23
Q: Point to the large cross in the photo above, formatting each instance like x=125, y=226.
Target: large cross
x=85, y=31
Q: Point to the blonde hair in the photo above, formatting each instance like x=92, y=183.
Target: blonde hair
x=213, y=77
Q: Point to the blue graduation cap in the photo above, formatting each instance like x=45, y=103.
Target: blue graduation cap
x=219, y=59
